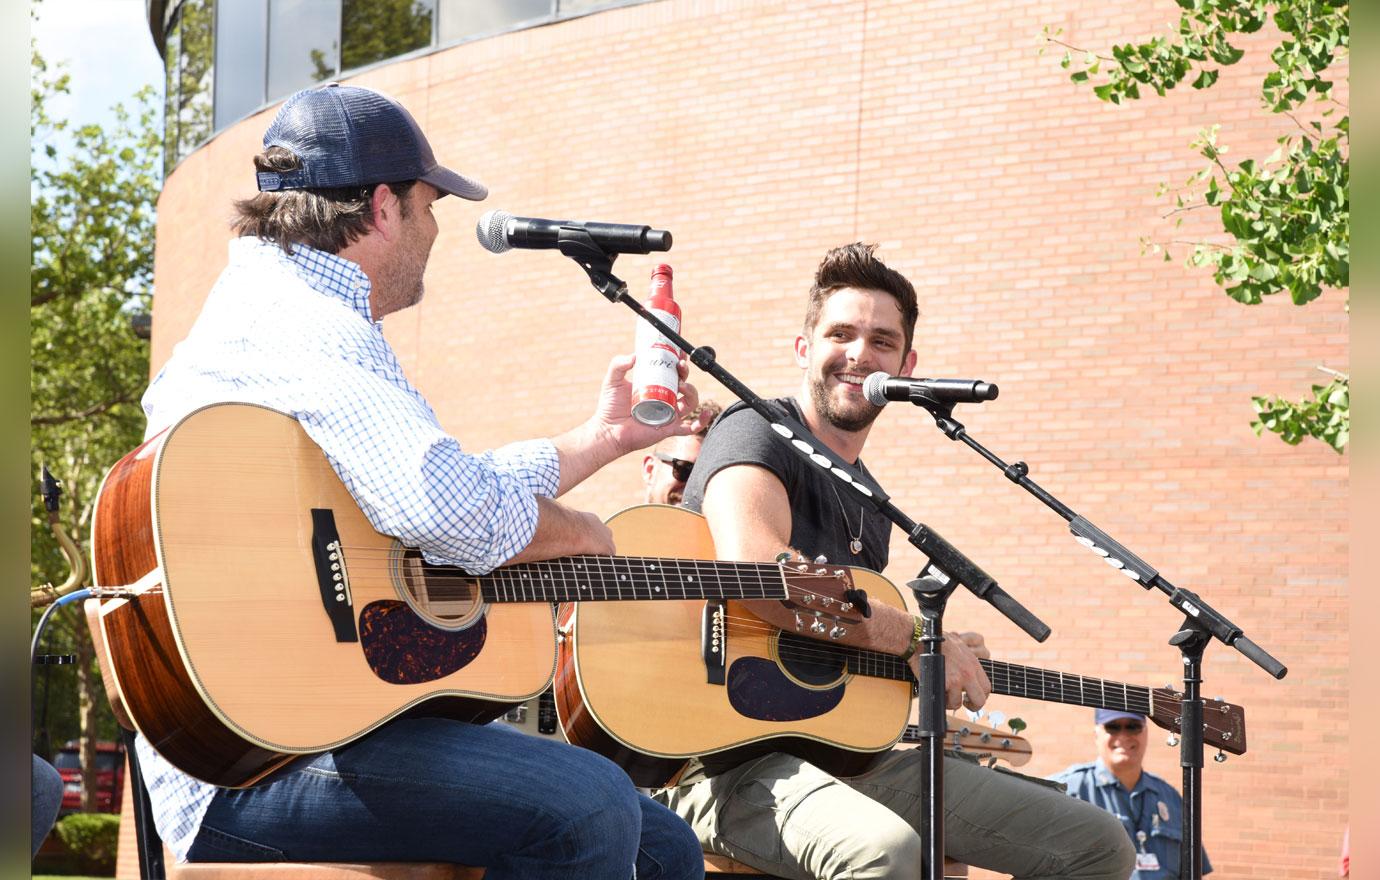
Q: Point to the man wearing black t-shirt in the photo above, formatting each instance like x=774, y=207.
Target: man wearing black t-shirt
x=779, y=813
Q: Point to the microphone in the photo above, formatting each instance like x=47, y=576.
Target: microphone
x=879, y=388
x=499, y=231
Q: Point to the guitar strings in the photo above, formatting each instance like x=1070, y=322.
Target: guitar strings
x=1017, y=680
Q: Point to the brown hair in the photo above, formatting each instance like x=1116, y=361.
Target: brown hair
x=854, y=265
x=328, y=219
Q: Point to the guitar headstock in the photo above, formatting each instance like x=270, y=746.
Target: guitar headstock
x=987, y=744
x=1224, y=724
x=817, y=589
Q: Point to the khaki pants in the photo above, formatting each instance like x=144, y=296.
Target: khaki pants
x=785, y=816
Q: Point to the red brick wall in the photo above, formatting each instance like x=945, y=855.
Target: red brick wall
x=764, y=133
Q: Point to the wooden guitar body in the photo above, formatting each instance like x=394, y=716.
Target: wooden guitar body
x=631, y=679
x=227, y=657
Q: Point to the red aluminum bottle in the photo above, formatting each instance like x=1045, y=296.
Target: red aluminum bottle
x=655, y=375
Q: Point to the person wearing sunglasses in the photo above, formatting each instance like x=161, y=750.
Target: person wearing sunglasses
x=666, y=469
x=1150, y=809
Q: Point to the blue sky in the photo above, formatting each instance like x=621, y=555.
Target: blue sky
x=108, y=51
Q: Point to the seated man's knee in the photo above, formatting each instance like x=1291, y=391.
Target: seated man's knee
x=600, y=800
x=669, y=849
x=883, y=852
x=1111, y=854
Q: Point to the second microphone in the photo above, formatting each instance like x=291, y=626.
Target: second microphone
x=499, y=231
x=879, y=388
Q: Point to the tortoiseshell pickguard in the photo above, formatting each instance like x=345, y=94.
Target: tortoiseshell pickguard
x=402, y=648
x=758, y=689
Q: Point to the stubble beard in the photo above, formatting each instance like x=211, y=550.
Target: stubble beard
x=852, y=421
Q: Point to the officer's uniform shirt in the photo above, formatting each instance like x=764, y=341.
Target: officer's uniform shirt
x=1152, y=814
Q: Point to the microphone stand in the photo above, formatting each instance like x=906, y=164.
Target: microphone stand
x=946, y=569
x=1201, y=625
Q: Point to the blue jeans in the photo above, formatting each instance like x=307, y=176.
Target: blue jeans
x=435, y=790
x=47, y=800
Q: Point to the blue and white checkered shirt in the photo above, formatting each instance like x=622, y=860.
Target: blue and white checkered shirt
x=295, y=333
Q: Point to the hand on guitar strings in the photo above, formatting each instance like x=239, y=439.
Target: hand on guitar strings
x=965, y=681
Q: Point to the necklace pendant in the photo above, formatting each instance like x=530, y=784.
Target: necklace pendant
x=855, y=545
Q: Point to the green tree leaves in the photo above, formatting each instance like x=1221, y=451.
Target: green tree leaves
x=92, y=196
x=1287, y=219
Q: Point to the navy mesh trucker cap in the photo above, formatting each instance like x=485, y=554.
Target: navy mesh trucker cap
x=351, y=136
x=1102, y=716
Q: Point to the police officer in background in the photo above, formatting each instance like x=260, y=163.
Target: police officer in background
x=1149, y=808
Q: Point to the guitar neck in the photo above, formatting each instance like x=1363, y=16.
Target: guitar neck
x=1030, y=682
x=626, y=578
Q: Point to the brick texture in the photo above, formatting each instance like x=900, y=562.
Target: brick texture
x=764, y=133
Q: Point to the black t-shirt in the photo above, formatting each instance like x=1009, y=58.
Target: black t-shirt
x=824, y=517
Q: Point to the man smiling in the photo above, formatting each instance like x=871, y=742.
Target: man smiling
x=779, y=812
x=1149, y=808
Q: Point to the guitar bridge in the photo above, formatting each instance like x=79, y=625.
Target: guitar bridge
x=331, y=576
x=714, y=641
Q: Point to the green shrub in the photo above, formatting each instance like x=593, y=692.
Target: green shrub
x=92, y=837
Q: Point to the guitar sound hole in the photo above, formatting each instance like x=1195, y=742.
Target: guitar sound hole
x=445, y=596
x=810, y=661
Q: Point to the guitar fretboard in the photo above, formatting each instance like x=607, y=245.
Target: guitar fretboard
x=1012, y=680
x=622, y=578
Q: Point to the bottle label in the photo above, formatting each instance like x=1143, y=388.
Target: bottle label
x=655, y=377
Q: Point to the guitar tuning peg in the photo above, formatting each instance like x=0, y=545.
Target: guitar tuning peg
x=996, y=718
x=1220, y=756
x=992, y=761
x=1218, y=699
x=1016, y=725
x=837, y=632
x=1172, y=739
x=821, y=560
x=799, y=622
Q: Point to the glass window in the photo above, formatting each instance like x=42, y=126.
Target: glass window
x=195, y=56
x=459, y=19
x=303, y=44
x=372, y=30
x=579, y=7
x=66, y=760
x=241, y=59
x=172, y=47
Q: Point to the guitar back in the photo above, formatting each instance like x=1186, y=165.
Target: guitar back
x=633, y=685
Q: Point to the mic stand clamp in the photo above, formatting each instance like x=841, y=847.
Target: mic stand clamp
x=576, y=242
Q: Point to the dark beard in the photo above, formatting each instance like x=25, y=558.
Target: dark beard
x=819, y=399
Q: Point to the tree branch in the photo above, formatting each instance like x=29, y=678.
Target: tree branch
x=86, y=413
x=1186, y=208
x=1076, y=49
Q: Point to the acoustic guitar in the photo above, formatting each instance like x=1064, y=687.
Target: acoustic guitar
x=259, y=617
x=650, y=685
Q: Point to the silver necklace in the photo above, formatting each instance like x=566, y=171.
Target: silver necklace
x=855, y=544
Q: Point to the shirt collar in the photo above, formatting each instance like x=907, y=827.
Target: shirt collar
x=326, y=273
x=1105, y=776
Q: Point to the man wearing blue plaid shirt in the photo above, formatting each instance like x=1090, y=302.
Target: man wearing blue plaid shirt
x=337, y=238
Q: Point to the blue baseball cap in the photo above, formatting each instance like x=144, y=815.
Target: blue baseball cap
x=1102, y=716
x=352, y=136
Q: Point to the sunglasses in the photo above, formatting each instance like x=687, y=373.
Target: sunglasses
x=1115, y=727
x=679, y=466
